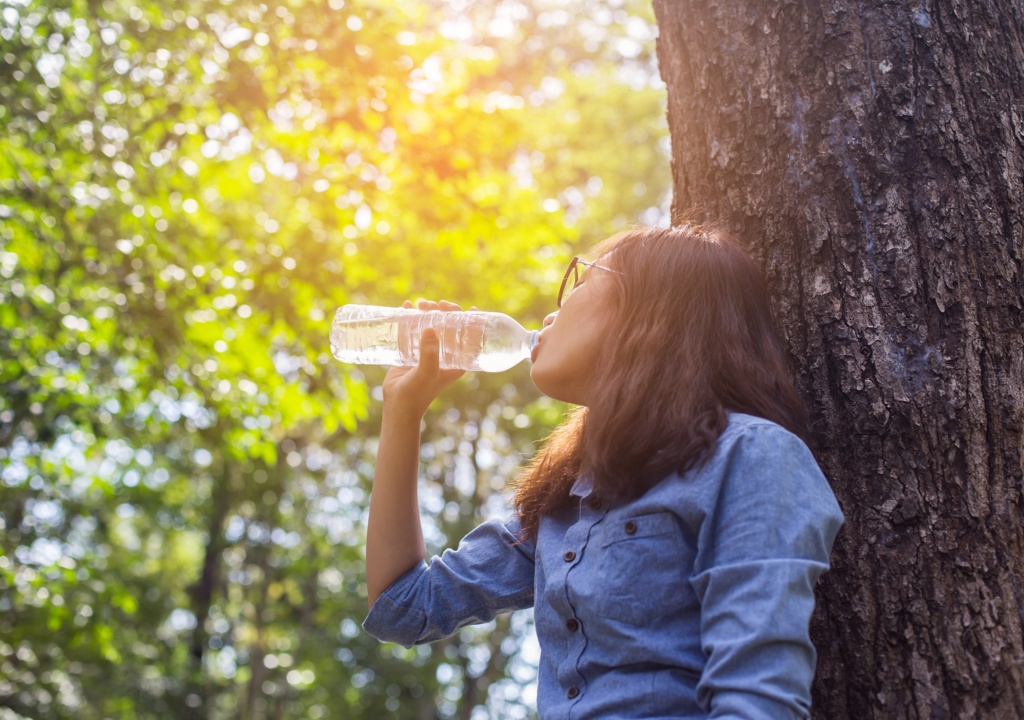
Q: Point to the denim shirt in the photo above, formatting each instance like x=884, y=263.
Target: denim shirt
x=692, y=601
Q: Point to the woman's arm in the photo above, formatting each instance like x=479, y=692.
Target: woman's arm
x=491, y=572
x=766, y=539
x=394, y=539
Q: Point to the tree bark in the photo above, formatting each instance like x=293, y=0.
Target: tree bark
x=872, y=155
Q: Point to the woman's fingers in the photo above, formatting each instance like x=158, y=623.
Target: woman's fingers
x=431, y=305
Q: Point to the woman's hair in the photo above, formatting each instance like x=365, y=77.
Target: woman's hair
x=691, y=337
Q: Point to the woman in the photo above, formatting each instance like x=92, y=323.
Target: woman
x=669, y=534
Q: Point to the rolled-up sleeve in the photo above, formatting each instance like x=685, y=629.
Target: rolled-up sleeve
x=766, y=540
x=491, y=572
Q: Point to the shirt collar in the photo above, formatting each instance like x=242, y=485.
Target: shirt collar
x=583, y=486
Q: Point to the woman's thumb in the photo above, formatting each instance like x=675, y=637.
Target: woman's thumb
x=430, y=348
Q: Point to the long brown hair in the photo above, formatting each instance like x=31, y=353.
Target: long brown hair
x=691, y=337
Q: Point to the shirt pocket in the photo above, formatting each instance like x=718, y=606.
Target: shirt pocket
x=640, y=571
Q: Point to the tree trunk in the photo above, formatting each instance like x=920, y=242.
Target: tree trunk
x=872, y=155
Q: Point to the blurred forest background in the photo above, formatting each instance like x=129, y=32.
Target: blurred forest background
x=188, y=191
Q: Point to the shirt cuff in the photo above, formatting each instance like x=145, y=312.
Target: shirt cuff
x=389, y=621
x=748, y=706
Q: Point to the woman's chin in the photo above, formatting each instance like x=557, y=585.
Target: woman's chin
x=552, y=387
x=542, y=381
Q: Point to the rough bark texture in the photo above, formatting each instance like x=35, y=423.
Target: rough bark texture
x=872, y=153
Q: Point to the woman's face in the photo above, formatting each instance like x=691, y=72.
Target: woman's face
x=567, y=348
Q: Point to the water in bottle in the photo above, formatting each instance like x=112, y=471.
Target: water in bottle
x=470, y=340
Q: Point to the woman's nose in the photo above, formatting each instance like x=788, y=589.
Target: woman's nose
x=549, y=319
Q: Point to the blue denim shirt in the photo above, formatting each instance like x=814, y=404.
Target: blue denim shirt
x=692, y=601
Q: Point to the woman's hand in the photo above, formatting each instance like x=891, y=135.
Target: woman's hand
x=411, y=389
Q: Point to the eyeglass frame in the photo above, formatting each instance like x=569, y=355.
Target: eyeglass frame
x=573, y=264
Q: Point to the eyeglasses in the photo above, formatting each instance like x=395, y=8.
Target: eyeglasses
x=574, y=271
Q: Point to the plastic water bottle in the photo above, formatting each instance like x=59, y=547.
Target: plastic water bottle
x=470, y=340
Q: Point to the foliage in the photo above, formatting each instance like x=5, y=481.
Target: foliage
x=187, y=192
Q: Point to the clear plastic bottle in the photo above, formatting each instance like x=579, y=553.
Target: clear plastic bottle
x=470, y=340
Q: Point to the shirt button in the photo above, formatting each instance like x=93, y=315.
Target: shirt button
x=572, y=625
x=570, y=556
x=595, y=504
x=573, y=692
x=630, y=527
